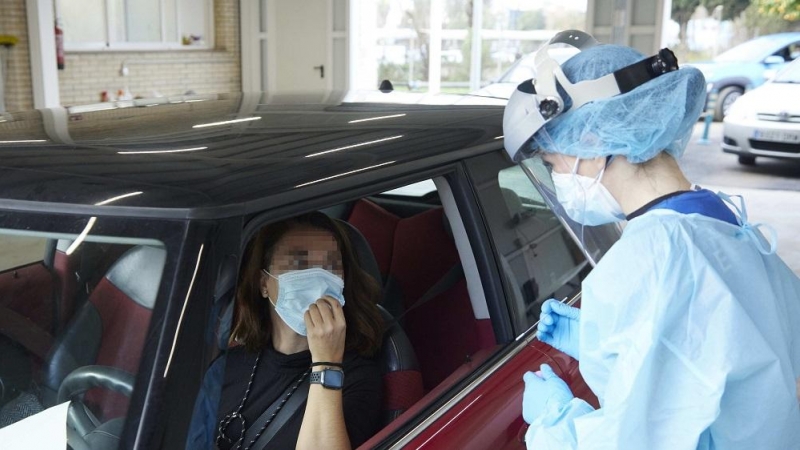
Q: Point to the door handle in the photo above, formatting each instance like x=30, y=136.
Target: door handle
x=321, y=71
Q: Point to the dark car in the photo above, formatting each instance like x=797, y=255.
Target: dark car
x=123, y=232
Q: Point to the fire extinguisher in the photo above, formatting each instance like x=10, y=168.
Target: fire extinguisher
x=59, y=45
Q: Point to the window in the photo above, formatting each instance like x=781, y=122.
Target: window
x=420, y=189
x=20, y=251
x=539, y=258
x=439, y=330
x=74, y=308
x=136, y=24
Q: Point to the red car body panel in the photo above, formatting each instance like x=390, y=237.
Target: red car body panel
x=490, y=417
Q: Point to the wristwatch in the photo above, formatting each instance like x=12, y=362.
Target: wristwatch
x=328, y=378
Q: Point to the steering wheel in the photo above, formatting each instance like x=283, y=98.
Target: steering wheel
x=80, y=420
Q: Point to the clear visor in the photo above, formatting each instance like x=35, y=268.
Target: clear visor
x=594, y=240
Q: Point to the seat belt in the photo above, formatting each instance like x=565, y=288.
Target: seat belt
x=292, y=405
x=21, y=330
x=448, y=280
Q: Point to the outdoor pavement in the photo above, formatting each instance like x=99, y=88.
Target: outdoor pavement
x=771, y=188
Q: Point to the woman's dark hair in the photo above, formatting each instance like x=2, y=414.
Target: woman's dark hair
x=252, y=326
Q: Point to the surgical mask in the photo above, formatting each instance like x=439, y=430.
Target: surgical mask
x=298, y=289
x=585, y=199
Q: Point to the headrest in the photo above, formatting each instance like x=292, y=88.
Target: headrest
x=366, y=259
x=226, y=277
x=137, y=273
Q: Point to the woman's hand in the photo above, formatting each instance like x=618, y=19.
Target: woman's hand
x=326, y=330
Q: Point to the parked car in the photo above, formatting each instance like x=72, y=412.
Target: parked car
x=747, y=66
x=123, y=232
x=522, y=69
x=766, y=120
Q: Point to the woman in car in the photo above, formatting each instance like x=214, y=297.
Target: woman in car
x=306, y=313
x=688, y=328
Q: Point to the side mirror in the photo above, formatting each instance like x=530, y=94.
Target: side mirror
x=773, y=59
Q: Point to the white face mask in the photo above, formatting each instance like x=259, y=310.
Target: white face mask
x=585, y=199
x=298, y=289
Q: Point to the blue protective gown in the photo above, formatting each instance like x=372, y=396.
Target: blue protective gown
x=689, y=337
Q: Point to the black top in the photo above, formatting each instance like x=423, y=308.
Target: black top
x=362, y=394
x=165, y=157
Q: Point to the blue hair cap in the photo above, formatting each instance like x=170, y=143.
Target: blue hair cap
x=656, y=116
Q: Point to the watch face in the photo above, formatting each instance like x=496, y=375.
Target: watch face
x=333, y=379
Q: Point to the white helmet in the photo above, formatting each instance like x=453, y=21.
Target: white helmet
x=537, y=101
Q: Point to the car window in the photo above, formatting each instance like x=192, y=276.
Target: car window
x=750, y=51
x=67, y=324
x=419, y=189
x=525, y=68
x=537, y=254
x=438, y=329
x=794, y=51
x=791, y=74
x=790, y=52
x=20, y=251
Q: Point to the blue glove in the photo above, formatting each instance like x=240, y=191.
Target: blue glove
x=558, y=327
x=543, y=391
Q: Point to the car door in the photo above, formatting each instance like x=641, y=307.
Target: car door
x=537, y=258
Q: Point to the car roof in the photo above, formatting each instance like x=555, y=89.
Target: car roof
x=186, y=159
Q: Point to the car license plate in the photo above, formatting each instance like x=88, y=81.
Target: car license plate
x=777, y=136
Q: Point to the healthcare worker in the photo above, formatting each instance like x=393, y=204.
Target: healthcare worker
x=689, y=327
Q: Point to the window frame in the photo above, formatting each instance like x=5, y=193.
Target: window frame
x=513, y=302
x=384, y=180
x=108, y=45
x=377, y=182
x=171, y=234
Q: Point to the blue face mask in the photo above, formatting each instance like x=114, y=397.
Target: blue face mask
x=298, y=289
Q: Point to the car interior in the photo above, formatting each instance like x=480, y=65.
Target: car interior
x=72, y=327
x=431, y=325
x=424, y=290
x=412, y=241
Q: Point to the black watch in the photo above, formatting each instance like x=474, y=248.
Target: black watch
x=328, y=378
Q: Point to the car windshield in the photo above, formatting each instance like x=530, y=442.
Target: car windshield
x=753, y=50
x=520, y=71
x=790, y=74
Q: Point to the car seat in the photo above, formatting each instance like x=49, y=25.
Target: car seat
x=402, y=379
x=109, y=329
x=420, y=256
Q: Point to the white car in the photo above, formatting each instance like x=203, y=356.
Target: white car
x=523, y=69
x=766, y=120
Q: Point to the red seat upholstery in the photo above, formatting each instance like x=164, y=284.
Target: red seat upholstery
x=402, y=380
x=109, y=329
x=443, y=331
x=378, y=226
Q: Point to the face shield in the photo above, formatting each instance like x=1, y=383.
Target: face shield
x=578, y=199
x=540, y=172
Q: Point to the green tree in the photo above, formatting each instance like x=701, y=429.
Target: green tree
x=731, y=9
x=532, y=20
x=756, y=23
x=786, y=9
x=682, y=11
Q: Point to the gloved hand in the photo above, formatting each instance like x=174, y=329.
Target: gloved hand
x=543, y=390
x=558, y=326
